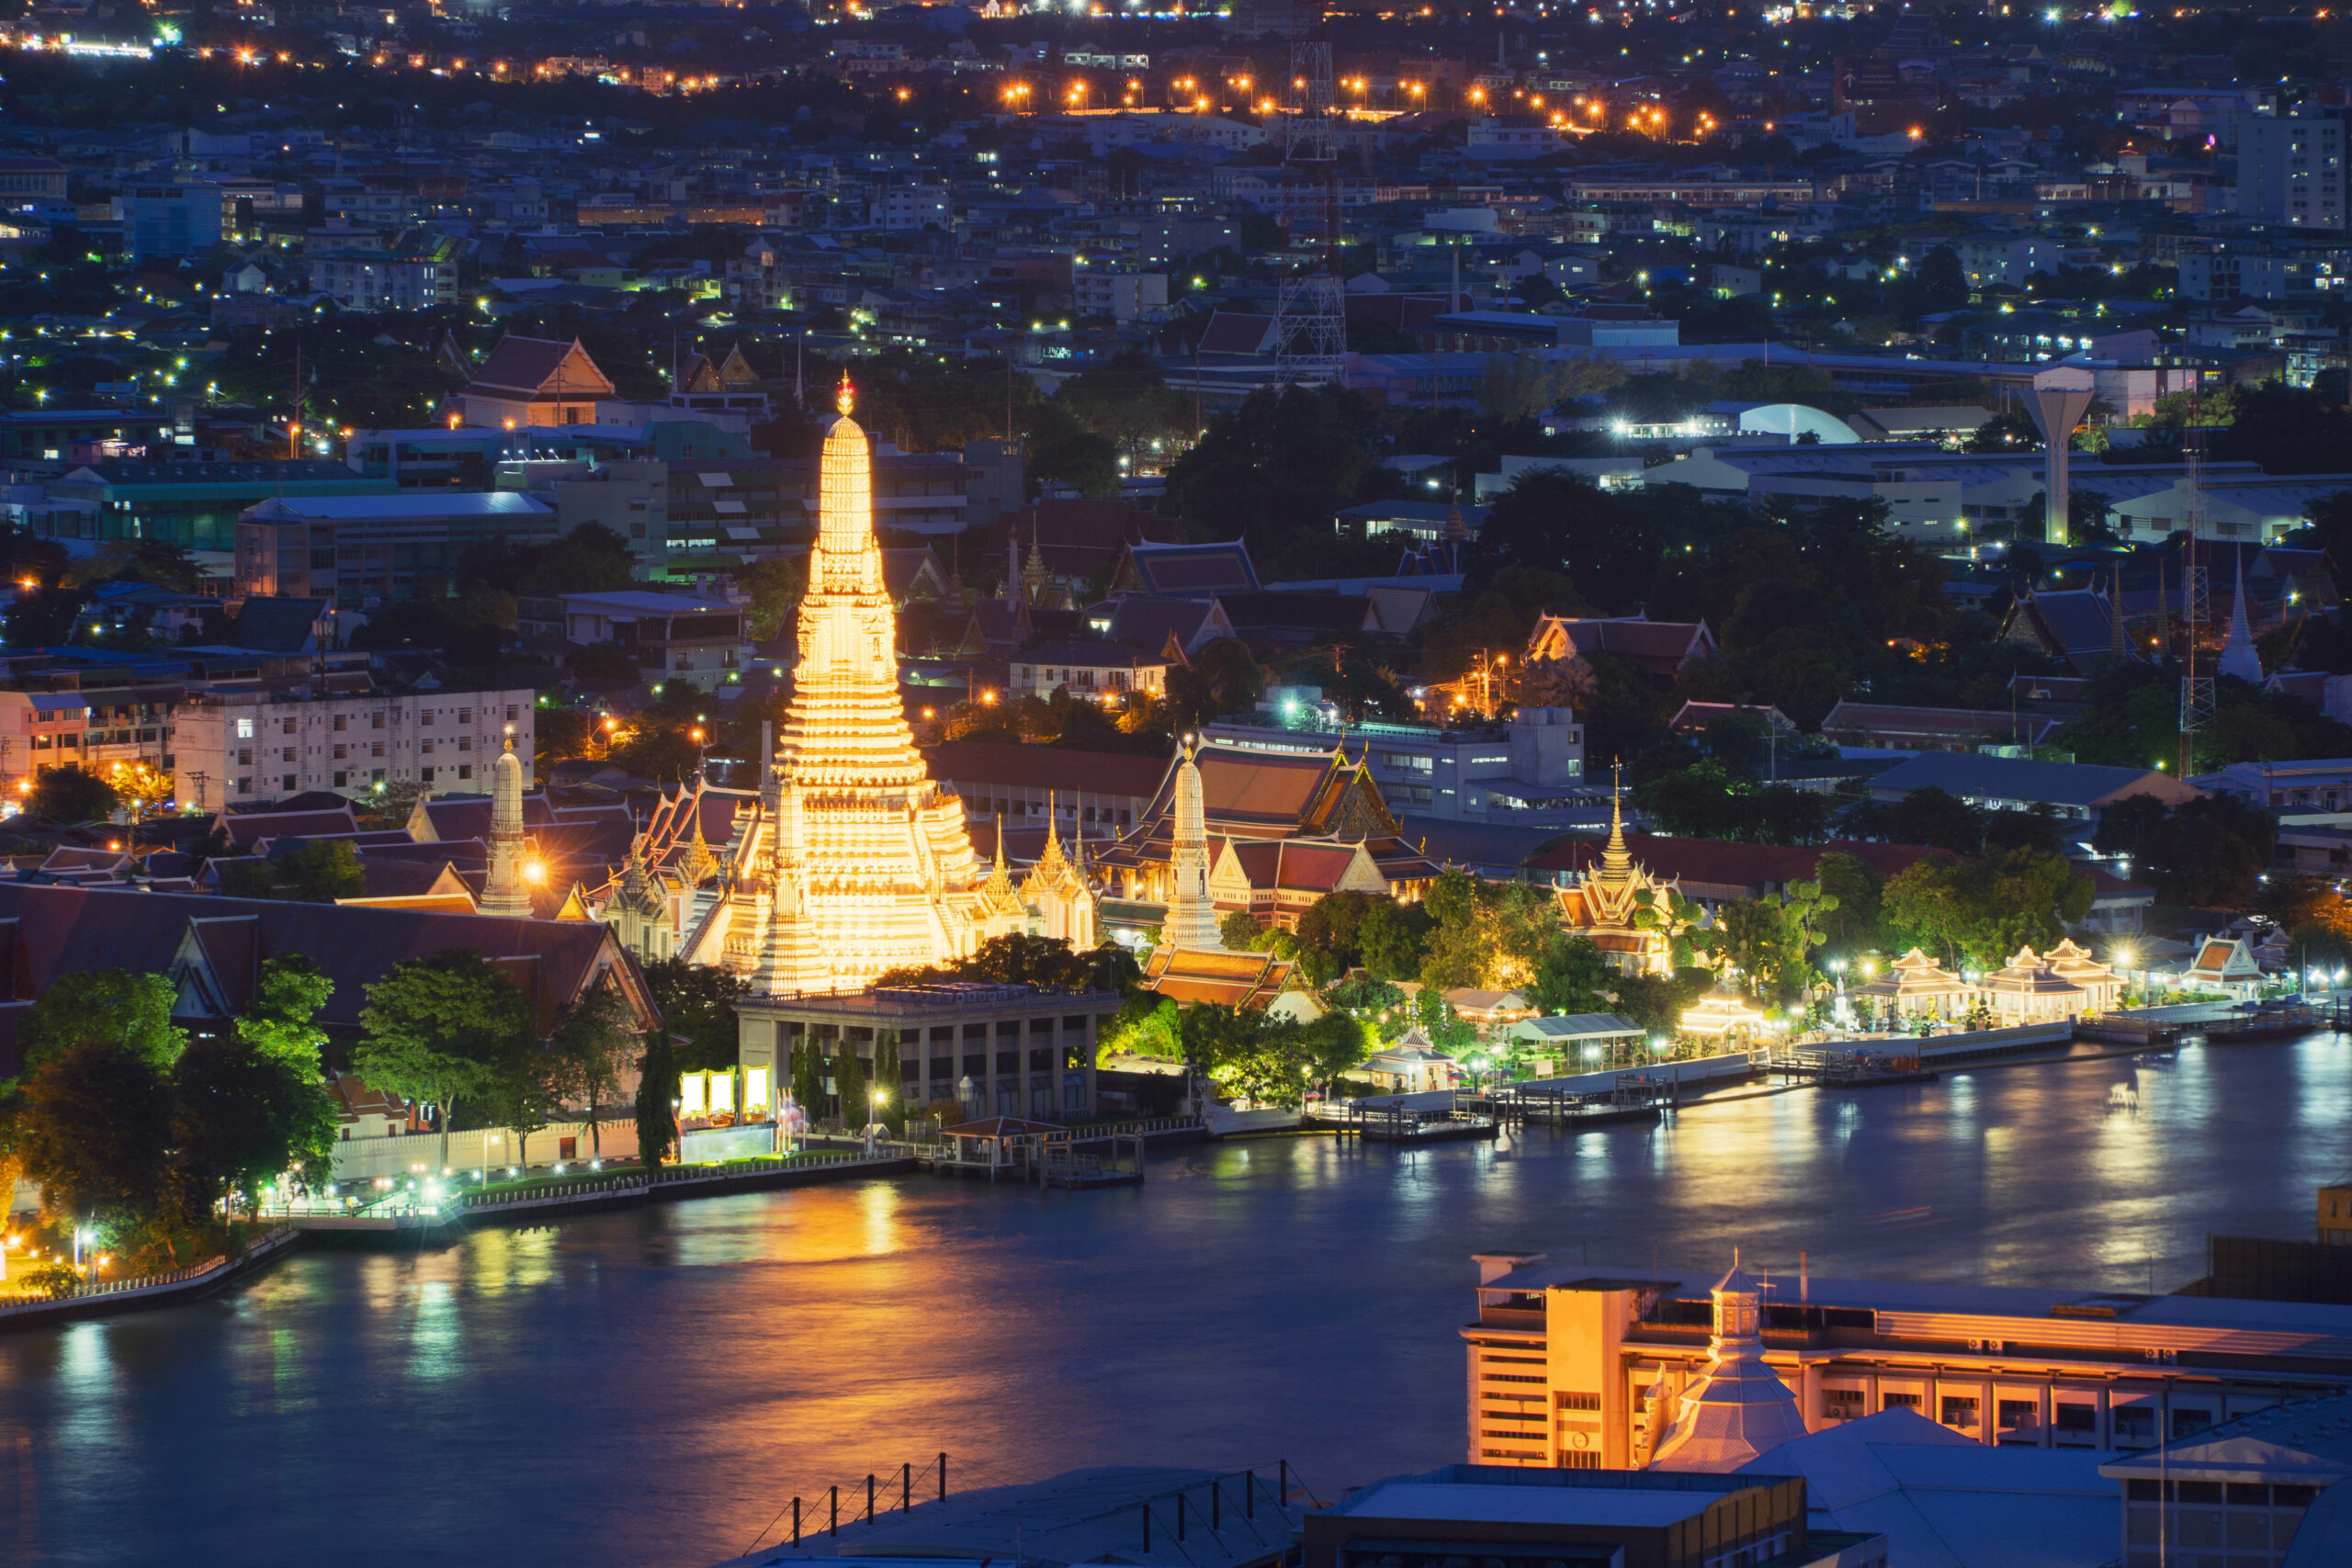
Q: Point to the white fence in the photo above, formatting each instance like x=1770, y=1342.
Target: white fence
x=488, y=1148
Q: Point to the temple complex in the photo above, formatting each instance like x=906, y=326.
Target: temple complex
x=851, y=861
x=1302, y=802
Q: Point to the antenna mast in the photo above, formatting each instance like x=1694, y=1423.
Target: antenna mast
x=1310, y=311
x=2195, y=605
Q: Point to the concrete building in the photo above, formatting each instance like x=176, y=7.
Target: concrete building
x=2081, y=792
x=370, y=278
x=1574, y=1364
x=675, y=636
x=166, y=222
x=366, y=550
x=246, y=747
x=2290, y=170
x=1527, y=771
x=191, y=502
x=2266, y=1489
x=1096, y=669
x=999, y=1050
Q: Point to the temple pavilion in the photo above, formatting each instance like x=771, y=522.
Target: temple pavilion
x=1323, y=810
x=1603, y=903
x=1916, y=986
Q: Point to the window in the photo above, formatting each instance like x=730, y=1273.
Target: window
x=286, y=726
x=376, y=775
x=2074, y=1417
x=425, y=716
x=1844, y=1403
x=1899, y=1402
x=376, y=721
x=1008, y=1061
x=2135, y=1424
x=341, y=779
x=424, y=774
x=465, y=742
x=465, y=715
x=2020, y=1416
x=512, y=713
x=426, y=748
x=244, y=729
x=244, y=786
x=286, y=754
x=287, y=782
x=465, y=770
x=245, y=755
x=341, y=753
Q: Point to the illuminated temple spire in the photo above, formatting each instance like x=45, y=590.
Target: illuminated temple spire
x=858, y=863
x=1190, y=922
x=505, y=892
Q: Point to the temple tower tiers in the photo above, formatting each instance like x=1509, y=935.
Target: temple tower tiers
x=506, y=891
x=1190, y=922
x=1739, y=1408
x=866, y=864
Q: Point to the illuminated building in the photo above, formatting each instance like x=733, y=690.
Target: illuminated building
x=1738, y=1409
x=1606, y=906
x=1584, y=1365
x=851, y=861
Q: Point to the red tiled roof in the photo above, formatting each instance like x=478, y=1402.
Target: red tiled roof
x=526, y=366
x=244, y=828
x=1046, y=767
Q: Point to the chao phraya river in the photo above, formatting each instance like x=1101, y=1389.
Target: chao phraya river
x=649, y=1387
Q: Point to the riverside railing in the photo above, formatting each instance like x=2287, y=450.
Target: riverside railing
x=90, y=1290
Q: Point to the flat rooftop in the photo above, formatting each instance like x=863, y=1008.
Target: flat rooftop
x=1458, y=1501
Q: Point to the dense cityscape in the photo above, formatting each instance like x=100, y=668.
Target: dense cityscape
x=1267, y=787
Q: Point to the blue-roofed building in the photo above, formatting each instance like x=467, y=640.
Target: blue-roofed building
x=363, y=550
x=1186, y=571
x=2080, y=791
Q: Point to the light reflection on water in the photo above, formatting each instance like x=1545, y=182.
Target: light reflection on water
x=651, y=1386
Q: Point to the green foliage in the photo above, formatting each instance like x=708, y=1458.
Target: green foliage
x=808, y=1079
x=697, y=1003
x=1274, y=470
x=1710, y=800
x=319, y=871
x=657, y=1086
x=1771, y=939
x=94, y=1130
x=851, y=1101
x=449, y=1027
x=2209, y=852
x=112, y=1006
x=69, y=795
x=281, y=1022
x=1020, y=959
x=1344, y=930
x=1573, y=977
x=1490, y=935
x=775, y=584
x=1982, y=911
x=1853, y=926
x=890, y=1082
x=240, y=1119
x=592, y=1043
x=1928, y=817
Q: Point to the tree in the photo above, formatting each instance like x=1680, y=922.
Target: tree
x=2210, y=852
x=241, y=1118
x=440, y=1029
x=1928, y=817
x=1573, y=977
x=1239, y=931
x=697, y=1003
x=807, y=1078
x=1853, y=925
x=110, y=1005
x=94, y=1130
x=69, y=795
x=849, y=1085
x=891, y=1109
x=281, y=1020
x=592, y=1042
x=1982, y=911
x=657, y=1086
x=318, y=871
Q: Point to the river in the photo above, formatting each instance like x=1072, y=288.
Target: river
x=649, y=1387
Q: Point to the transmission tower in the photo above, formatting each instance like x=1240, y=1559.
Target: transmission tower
x=2196, y=608
x=1310, y=307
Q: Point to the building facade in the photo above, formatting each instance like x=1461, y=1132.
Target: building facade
x=240, y=748
x=1577, y=1365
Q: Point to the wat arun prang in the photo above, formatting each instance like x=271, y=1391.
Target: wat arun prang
x=854, y=862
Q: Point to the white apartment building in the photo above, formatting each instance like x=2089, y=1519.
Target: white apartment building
x=912, y=209
x=240, y=748
x=1122, y=296
x=2291, y=171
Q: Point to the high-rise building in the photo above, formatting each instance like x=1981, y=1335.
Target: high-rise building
x=2290, y=170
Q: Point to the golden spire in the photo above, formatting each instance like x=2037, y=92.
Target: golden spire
x=846, y=396
x=1617, y=857
x=999, y=842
